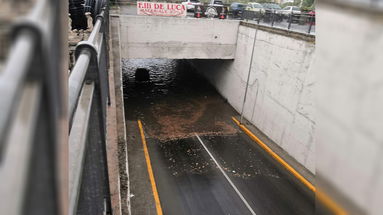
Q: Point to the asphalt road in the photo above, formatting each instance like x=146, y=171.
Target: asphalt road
x=202, y=162
x=190, y=182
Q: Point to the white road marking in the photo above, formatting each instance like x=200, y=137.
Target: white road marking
x=226, y=176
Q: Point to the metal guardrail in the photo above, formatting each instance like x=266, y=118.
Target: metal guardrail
x=33, y=109
x=304, y=22
x=31, y=101
x=88, y=99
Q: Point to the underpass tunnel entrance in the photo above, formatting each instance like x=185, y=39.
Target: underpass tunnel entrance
x=141, y=75
x=197, y=160
x=159, y=89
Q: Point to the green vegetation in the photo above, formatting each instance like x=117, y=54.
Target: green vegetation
x=305, y=5
x=295, y=3
x=308, y=5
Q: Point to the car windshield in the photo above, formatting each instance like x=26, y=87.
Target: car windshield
x=241, y=5
x=256, y=5
x=296, y=8
x=237, y=5
x=272, y=6
x=195, y=1
x=218, y=2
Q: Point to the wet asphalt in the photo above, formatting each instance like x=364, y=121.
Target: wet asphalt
x=175, y=105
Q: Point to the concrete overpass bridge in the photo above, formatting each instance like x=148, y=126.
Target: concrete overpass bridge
x=223, y=125
x=177, y=38
x=171, y=156
x=179, y=134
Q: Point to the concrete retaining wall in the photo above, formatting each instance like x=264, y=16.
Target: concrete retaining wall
x=177, y=38
x=279, y=100
x=350, y=104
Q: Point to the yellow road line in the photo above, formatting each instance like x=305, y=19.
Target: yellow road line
x=275, y=156
x=330, y=204
x=326, y=200
x=150, y=170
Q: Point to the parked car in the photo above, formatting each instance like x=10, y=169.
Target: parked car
x=271, y=7
x=216, y=8
x=237, y=8
x=290, y=11
x=216, y=3
x=254, y=11
x=309, y=17
x=190, y=4
x=312, y=13
x=312, y=17
x=272, y=12
x=256, y=7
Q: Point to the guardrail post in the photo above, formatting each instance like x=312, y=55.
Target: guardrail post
x=290, y=20
x=310, y=23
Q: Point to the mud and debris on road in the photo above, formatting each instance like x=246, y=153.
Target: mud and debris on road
x=174, y=104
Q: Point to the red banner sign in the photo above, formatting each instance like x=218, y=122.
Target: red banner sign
x=160, y=9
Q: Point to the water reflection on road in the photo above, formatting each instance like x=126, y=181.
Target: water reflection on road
x=174, y=104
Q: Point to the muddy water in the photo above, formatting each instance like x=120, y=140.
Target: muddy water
x=175, y=102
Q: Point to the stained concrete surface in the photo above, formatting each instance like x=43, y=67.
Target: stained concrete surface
x=132, y=10
x=203, y=39
x=174, y=105
x=280, y=93
x=142, y=201
x=94, y=192
x=116, y=138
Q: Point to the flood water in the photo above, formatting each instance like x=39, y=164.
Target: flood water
x=170, y=81
x=175, y=102
x=175, y=105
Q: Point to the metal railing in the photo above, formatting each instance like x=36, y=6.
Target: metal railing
x=31, y=104
x=88, y=100
x=303, y=22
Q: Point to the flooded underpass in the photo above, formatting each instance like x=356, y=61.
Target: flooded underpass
x=188, y=157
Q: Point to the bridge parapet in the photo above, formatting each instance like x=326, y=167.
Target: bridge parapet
x=177, y=38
